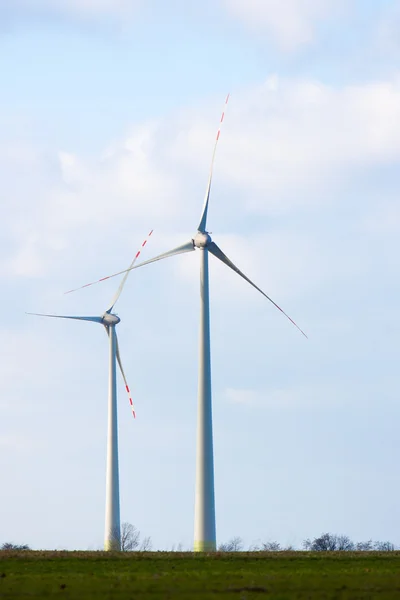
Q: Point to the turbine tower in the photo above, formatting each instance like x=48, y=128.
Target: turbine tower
x=112, y=531
x=204, y=517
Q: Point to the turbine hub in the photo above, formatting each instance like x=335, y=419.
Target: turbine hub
x=109, y=319
x=201, y=240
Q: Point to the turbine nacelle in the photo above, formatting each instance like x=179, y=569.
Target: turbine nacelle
x=109, y=319
x=201, y=240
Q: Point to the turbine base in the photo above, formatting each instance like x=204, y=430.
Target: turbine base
x=202, y=546
x=112, y=546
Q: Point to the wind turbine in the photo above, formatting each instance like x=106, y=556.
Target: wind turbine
x=112, y=532
x=204, y=519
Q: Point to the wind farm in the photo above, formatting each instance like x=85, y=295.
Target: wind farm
x=205, y=539
x=224, y=423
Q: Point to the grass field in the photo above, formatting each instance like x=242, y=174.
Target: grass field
x=160, y=575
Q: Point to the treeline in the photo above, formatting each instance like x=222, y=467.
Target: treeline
x=130, y=539
x=327, y=542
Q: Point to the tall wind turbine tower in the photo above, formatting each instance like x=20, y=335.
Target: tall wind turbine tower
x=112, y=530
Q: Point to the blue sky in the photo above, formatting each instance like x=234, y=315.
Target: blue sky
x=108, y=112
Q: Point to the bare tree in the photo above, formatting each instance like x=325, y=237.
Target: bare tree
x=130, y=537
x=233, y=545
x=177, y=547
x=344, y=543
x=254, y=547
x=146, y=545
x=364, y=546
x=10, y=546
x=327, y=542
x=384, y=546
x=271, y=547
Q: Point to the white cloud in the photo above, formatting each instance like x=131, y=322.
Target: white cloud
x=63, y=195
x=291, y=23
x=291, y=142
x=286, y=144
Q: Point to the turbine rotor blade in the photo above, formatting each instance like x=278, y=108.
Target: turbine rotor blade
x=217, y=252
x=123, y=375
x=188, y=247
x=121, y=286
x=203, y=219
x=93, y=319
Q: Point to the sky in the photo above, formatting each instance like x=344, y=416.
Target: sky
x=108, y=114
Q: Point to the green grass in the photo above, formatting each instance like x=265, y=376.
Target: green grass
x=163, y=575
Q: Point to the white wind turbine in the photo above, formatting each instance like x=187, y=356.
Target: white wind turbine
x=112, y=532
x=204, y=519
